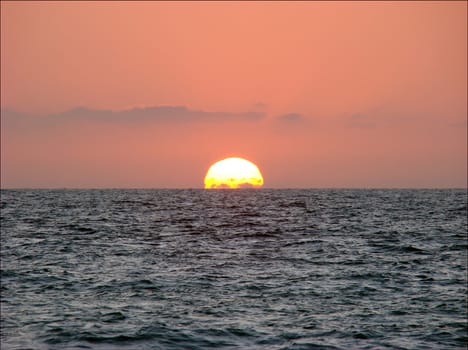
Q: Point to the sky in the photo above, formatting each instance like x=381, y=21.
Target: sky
x=316, y=94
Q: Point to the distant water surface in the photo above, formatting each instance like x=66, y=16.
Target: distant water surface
x=233, y=269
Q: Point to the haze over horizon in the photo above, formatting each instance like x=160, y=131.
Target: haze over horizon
x=149, y=95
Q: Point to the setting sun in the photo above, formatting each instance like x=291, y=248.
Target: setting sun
x=233, y=173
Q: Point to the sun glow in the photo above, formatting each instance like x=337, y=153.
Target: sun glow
x=233, y=173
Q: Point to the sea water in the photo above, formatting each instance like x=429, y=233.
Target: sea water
x=233, y=269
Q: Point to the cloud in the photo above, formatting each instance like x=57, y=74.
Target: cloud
x=260, y=106
x=394, y=119
x=181, y=113
x=360, y=121
x=459, y=124
x=13, y=119
x=291, y=117
x=160, y=113
x=167, y=114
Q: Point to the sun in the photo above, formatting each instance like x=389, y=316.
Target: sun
x=233, y=173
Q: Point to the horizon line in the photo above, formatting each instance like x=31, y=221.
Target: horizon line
x=230, y=189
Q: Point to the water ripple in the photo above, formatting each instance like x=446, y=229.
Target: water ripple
x=262, y=269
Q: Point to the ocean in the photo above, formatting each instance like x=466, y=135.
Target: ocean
x=233, y=269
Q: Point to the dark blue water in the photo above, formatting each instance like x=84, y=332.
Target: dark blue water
x=242, y=269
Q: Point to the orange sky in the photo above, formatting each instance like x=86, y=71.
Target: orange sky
x=317, y=94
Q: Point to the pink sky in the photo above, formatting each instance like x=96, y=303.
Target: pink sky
x=150, y=94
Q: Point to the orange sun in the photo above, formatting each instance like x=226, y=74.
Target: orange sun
x=233, y=173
